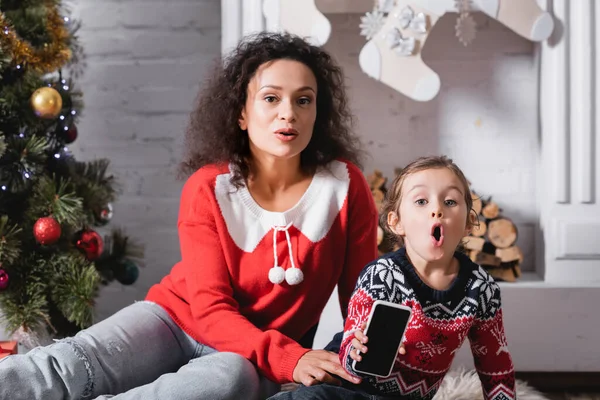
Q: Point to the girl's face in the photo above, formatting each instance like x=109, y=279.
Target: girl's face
x=433, y=214
x=280, y=109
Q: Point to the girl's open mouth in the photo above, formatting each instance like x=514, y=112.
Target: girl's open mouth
x=437, y=235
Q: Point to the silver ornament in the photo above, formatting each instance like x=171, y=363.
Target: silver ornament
x=105, y=214
x=401, y=45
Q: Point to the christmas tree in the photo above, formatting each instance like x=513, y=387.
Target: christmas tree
x=52, y=259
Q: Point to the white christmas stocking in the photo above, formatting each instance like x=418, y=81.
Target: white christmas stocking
x=397, y=30
x=300, y=17
x=525, y=18
x=393, y=53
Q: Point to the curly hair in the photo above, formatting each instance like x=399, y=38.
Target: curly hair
x=213, y=135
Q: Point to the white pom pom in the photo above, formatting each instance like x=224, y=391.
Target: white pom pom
x=276, y=275
x=294, y=276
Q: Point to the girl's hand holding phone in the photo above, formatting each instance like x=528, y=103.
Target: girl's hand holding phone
x=359, y=343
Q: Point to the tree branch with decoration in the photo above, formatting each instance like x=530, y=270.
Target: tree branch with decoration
x=53, y=260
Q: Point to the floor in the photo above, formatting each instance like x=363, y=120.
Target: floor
x=551, y=396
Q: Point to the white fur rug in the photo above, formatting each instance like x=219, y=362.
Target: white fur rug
x=465, y=385
x=584, y=397
x=460, y=384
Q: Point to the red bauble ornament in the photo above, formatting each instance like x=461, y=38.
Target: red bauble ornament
x=70, y=134
x=4, y=278
x=46, y=230
x=91, y=244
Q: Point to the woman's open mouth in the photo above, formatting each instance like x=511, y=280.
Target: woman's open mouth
x=286, y=134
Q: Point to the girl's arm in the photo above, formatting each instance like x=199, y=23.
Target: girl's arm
x=489, y=347
x=369, y=288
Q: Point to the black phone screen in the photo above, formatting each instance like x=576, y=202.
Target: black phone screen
x=385, y=333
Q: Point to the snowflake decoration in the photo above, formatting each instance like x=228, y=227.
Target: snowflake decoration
x=371, y=23
x=386, y=6
x=463, y=5
x=402, y=46
x=416, y=21
x=466, y=28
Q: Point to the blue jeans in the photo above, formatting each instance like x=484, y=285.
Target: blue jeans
x=138, y=353
x=327, y=392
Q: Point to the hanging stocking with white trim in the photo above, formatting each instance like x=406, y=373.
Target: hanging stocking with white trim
x=301, y=17
x=393, y=53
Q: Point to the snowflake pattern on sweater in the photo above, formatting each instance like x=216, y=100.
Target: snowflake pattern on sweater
x=441, y=321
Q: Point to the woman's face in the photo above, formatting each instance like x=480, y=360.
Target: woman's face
x=280, y=109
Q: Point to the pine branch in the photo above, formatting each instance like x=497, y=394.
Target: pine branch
x=15, y=108
x=118, y=248
x=124, y=247
x=2, y=142
x=61, y=202
x=5, y=60
x=74, y=287
x=93, y=185
x=24, y=303
x=31, y=152
x=95, y=173
x=29, y=19
x=10, y=246
x=23, y=159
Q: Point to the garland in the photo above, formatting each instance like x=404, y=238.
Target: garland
x=51, y=56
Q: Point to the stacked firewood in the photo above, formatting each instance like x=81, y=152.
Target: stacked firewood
x=490, y=244
x=377, y=183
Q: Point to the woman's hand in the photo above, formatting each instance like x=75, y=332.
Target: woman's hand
x=359, y=344
x=316, y=367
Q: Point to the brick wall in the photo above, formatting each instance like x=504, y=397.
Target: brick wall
x=145, y=61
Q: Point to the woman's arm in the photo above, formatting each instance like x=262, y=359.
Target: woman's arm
x=361, y=248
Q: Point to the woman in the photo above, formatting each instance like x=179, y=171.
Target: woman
x=274, y=216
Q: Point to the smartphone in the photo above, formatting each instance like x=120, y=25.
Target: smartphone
x=385, y=328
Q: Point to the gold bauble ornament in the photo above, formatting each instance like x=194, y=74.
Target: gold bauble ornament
x=46, y=102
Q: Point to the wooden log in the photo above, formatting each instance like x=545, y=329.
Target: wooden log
x=503, y=274
x=479, y=229
x=473, y=242
x=487, y=260
x=517, y=270
x=376, y=180
x=490, y=210
x=502, y=233
x=509, y=254
x=378, y=197
x=476, y=203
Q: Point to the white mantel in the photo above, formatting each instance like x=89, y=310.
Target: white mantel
x=570, y=117
x=568, y=178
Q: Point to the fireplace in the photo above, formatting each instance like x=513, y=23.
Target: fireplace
x=520, y=119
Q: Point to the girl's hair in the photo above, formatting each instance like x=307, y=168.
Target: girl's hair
x=213, y=134
x=394, y=195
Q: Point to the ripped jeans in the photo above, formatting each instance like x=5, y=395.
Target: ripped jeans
x=138, y=353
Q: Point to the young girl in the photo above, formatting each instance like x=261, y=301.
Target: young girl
x=428, y=209
x=274, y=216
